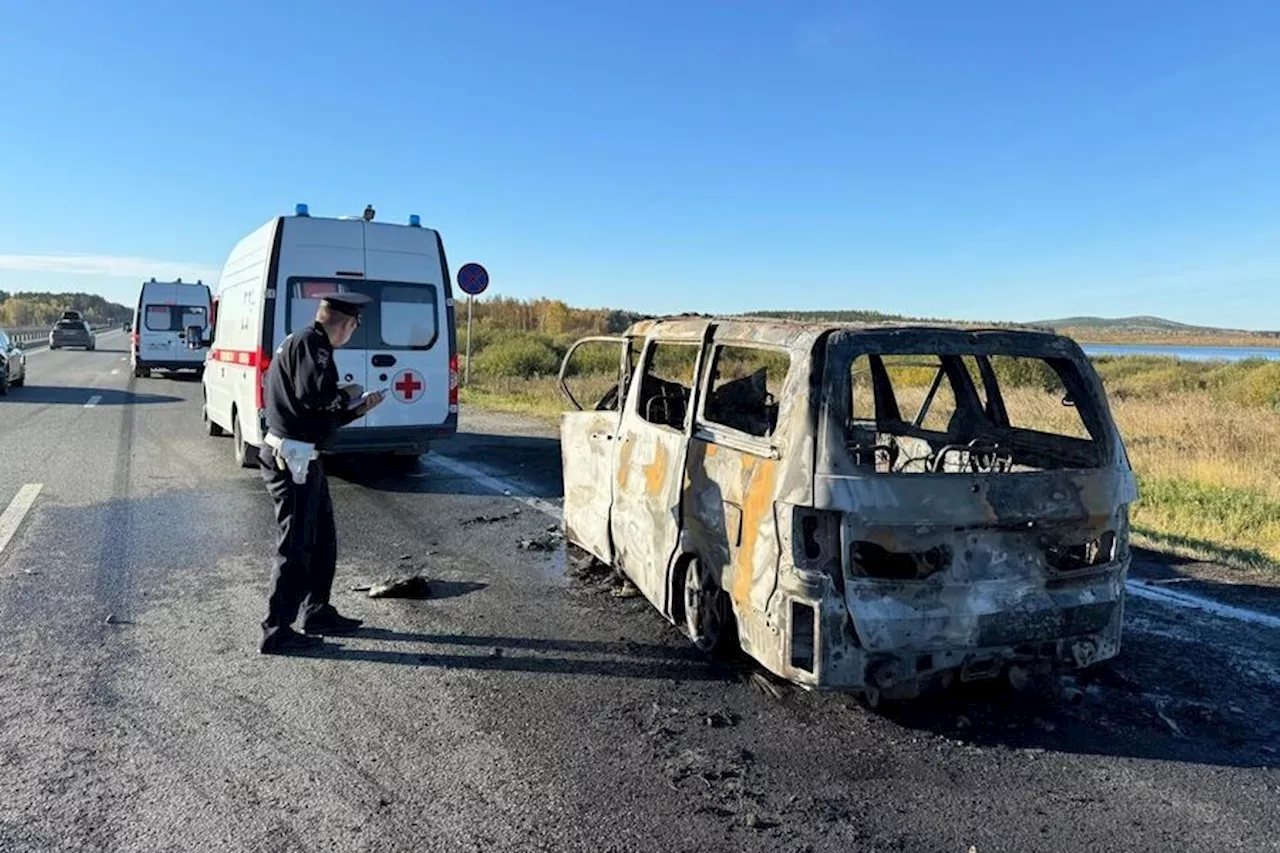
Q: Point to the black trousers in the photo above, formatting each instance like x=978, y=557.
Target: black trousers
x=307, y=544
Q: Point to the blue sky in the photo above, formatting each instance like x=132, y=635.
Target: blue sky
x=979, y=160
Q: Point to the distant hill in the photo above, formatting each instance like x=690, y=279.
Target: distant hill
x=1154, y=329
x=1129, y=330
x=858, y=316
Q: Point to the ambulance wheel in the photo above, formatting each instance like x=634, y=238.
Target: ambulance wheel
x=210, y=428
x=4, y=384
x=244, y=452
x=708, y=613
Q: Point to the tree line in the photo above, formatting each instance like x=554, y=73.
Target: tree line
x=19, y=310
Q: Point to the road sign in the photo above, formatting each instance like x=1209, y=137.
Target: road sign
x=473, y=279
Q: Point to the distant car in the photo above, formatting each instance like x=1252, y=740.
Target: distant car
x=13, y=364
x=72, y=315
x=127, y=326
x=72, y=333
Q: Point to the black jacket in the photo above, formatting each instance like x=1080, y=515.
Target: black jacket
x=302, y=397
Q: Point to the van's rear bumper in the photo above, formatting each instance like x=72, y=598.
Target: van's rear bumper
x=402, y=439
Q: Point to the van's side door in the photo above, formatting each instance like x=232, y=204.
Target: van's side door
x=653, y=444
x=588, y=434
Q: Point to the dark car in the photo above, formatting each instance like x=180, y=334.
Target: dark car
x=13, y=364
x=72, y=333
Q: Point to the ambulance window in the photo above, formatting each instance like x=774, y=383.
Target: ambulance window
x=408, y=316
x=158, y=318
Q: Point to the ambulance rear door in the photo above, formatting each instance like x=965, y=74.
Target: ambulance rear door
x=406, y=330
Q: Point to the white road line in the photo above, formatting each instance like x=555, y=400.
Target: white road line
x=1195, y=602
x=494, y=484
x=17, y=510
x=93, y=401
x=1162, y=595
x=114, y=371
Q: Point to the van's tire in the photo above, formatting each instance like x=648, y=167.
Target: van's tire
x=210, y=428
x=244, y=453
x=18, y=383
x=4, y=384
x=707, y=612
x=142, y=373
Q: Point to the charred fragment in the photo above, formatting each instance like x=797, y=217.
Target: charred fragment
x=859, y=507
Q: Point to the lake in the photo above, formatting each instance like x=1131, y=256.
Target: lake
x=1183, y=352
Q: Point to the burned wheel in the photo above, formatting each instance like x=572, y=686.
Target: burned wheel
x=708, y=614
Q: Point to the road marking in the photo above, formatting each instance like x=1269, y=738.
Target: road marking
x=114, y=371
x=495, y=484
x=93, y=401
x=1195, y=602
x=18, y=509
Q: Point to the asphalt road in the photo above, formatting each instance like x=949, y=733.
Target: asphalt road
x=519, y=709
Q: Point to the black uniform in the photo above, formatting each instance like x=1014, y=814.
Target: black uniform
x=303, y=403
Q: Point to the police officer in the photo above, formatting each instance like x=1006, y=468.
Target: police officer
x=305, y=407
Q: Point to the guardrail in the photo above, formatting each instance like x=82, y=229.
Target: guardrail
x=40, y=334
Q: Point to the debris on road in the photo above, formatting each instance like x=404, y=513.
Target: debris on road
x=411, y=586
x=491, y=519
x=720, y=719
x=548, y=541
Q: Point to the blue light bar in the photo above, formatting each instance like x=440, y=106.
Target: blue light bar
x=301, y=210
x=414, y=221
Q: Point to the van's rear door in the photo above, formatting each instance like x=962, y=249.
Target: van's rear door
x=158, y=338
x=321, y=256
x=407, y=329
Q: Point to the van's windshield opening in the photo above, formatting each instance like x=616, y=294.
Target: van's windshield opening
x=955, y=413
x=403, y=315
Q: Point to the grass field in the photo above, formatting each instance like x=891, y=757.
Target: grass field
x=1204, y=439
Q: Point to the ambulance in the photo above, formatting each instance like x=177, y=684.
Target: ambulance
x=170, y=323
x=406, y=343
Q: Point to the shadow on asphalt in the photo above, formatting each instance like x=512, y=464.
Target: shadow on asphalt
x=61, y=395
x=515, y=654
x=175, y=376
x=539, y=644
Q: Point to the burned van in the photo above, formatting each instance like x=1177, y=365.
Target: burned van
x=867, y=508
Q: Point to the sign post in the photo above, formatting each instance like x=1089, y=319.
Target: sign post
x=473, y=279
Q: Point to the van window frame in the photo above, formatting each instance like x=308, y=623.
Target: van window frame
x=352, y=286
x=714, y=432
x=636, y=389
x=845, y=347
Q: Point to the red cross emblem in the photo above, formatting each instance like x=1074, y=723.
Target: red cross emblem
x=407, y=386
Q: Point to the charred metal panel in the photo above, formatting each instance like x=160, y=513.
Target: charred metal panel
x=645, y=519
x=587, y=442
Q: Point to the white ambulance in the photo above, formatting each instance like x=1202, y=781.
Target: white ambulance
x=406, y=343
x=167, y=315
